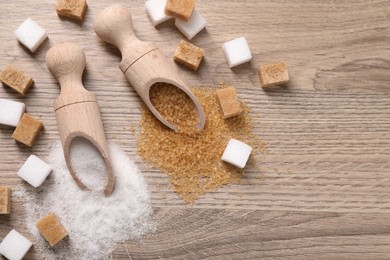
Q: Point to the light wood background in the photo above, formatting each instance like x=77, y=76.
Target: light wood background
x=323, y=188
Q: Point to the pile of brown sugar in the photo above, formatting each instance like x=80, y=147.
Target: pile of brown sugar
x=190, y=157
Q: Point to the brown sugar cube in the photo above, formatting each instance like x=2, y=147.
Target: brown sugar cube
x=74, y=9
x=27, y=130
x=5, y=200
x=273, y=74
x=188, y=55
x=51, y=229
x=16, y=79
x=229, y=103
x=181, y=9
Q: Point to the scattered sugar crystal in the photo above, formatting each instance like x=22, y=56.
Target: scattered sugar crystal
x=95, y=223
x=192, y=158
x=15, y=246
x=30, y=34
x=34, y=171
x=11, y=112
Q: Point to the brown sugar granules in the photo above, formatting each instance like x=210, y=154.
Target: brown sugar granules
x=175, y=106
x=192, y=158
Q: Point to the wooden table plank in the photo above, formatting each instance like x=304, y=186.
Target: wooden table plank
x=322, y=187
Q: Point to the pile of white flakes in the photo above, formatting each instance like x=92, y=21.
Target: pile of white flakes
x=96, y=224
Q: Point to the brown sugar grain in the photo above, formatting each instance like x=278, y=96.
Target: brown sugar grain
x=188, y=55
x=16, y=79
x=51, y=229
x=27, y=130
x=181, y=9
x=175, y=106
x=228, y=101
x=273, y=74
x=5, y=200
x=74, y=9
x=192, y=158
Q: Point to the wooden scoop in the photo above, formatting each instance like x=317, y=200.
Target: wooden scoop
x=77, y=110
x=142, y=63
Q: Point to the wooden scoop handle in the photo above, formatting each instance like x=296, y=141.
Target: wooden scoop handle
x=114, y=25
x=67, y=63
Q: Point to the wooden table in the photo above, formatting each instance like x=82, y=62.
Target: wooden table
x=323, y=190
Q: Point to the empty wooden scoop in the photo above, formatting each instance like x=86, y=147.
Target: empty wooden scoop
x=142, y=63
x=76, y=109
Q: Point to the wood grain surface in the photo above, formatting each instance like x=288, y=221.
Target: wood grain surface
x=323, y=187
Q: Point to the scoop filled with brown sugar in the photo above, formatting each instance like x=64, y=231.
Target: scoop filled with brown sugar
x=175, y=106
x=192, y=158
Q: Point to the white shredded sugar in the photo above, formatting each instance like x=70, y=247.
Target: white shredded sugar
x=96, y=224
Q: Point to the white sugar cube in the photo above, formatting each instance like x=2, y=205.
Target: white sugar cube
x=34, y=171
x=11, y=112
x=30, y=34
x=237, y=52
x=15, y=246
x=236, y=153
x=156, y=11
x=191, y=28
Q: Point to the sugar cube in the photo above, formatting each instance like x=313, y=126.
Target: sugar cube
x=188, y=54
x=237, y=52
x=34, y=171
x=16, y=79
x=27, y=130
x=5, y=200
x=237, y=153
x=156, y=11
x=30, y=34
x=11, y=112
x=181, y=9
x=228, y=101
x=15, y=246
x=273, y=74
x=74, y=9
x=195, y=24
x=51, y=229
